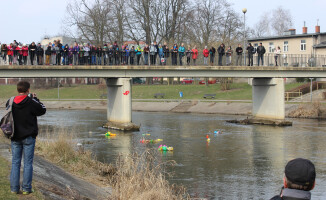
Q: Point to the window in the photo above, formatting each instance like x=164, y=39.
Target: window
x=303, y=45
x=271, y=47
x=286, y=46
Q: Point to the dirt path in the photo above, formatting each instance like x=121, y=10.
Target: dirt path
x=55, y=183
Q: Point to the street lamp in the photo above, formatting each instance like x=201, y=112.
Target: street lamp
x=244, y=10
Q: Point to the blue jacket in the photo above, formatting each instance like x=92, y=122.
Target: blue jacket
x=161, y=52
x=182, y=50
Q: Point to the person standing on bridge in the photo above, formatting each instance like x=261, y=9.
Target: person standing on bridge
x=205, y=54
x=47, y=54
x=261, y=51
x=25, y=109
x=228, y=56
x=39, y=54
x=166, y=51
x=175, y=54
x=4, y=51
x=277, y=53
x=25, y=53
x=132, y=54
x=138, y=54
x=99, y=54
x=146, y=52
x=194, y=54
x=181, y=51
x=212, y=52
x=221, y=52
x=32, y=51
x=251, y=51
x=116, y=53
x=188, y=55
x=152, y=52
x=86, y=54
x=239, y=51
x=75, y=52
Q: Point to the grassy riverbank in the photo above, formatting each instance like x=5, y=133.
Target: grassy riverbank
x=131, y=177
x=238, y=91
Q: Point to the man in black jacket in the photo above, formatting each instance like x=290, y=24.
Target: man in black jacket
x=261, y=51
x=251, y=51
x=299, y=179
x=221, y=52
x=25, y=109
x=32, y=52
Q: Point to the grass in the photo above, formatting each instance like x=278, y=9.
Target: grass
x=61, y=149
x=139, y=176
x=238, y=91
x=131, y=177
x=5, y=183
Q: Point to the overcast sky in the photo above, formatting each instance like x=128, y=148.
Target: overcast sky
x=30, y=20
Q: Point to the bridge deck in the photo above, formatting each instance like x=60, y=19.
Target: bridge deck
x=41, y=71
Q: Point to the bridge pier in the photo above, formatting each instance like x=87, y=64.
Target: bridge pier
x=119, y=107
x=268, y=104
x=268, y=98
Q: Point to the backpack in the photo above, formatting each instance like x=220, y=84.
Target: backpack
x=7, y=121
x=253, y=50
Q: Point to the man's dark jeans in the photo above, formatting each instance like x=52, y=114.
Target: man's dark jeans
x=261, y=57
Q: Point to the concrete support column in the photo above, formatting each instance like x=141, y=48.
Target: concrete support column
x=119, y=100
x=268, y=98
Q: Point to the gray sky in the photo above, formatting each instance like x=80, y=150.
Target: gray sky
x=29, y=20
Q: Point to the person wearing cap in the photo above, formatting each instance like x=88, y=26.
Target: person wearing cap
x=299, y=179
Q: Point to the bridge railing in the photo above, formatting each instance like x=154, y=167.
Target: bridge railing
x=284, y=60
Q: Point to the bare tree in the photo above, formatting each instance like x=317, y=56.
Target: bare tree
x=263, y=27
x=281, y=20
x=208, y=15
x=90, y=19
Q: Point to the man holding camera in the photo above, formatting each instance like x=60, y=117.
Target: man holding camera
x=25, y=109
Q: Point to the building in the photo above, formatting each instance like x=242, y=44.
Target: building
x=306, y=49
x=63, y=39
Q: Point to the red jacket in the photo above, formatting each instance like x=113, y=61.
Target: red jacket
x=194, y=53
x=206, y=53
x=25, y=51
x=19, y=50
x=10, y=51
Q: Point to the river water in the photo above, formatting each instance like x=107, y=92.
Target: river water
x=245, y=162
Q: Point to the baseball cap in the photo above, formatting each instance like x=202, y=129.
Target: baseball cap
x=300, y=171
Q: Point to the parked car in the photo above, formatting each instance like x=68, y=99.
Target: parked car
x=209, y=82
x=187, y=81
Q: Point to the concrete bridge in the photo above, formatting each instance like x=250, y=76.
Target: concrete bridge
x=268, y=82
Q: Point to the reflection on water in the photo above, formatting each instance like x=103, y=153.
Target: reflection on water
x=245, y=162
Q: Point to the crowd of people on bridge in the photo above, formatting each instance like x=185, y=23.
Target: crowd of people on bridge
x=154, y=54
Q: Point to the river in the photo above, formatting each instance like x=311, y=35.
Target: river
x=245, y=162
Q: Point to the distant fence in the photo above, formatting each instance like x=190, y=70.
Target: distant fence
x=304, y=89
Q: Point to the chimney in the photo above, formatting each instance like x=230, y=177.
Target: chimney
x=304, y=29
x=317, y=27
